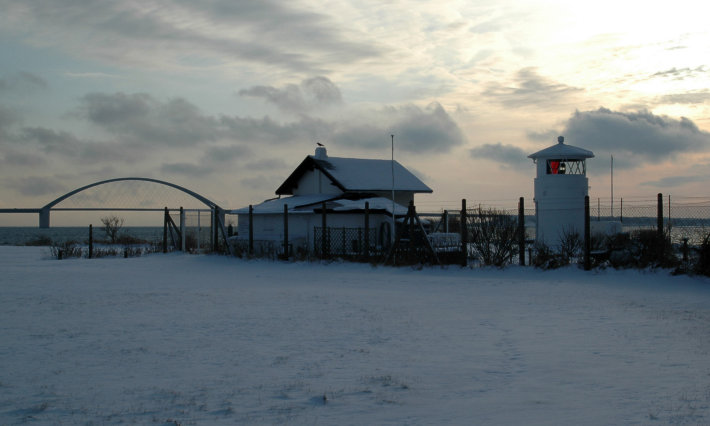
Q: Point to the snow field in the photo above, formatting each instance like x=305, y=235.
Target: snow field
x=215, y=340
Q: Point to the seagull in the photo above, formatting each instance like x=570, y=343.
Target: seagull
x=319, y=144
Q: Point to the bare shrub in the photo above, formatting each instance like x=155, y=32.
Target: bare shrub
x=65, y=250
x=111, y=225
x=570, y=247
x=494, y=236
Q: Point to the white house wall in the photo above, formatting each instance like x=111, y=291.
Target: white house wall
x=315, y=182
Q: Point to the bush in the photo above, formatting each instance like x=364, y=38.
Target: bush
x=544, y=257
x=494, y=236
x=702, y=263
x=653, y=251
x=65, y=250
x=570, y=247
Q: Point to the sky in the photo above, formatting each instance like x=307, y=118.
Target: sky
x=226, y=97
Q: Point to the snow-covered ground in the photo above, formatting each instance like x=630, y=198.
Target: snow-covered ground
x=216, y=340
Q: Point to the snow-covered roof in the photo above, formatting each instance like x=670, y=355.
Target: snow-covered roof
x=309, y=203
x=357, y=175
x=562, y=150
x=295, y=204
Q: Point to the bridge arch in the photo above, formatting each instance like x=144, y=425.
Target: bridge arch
x=44, y=211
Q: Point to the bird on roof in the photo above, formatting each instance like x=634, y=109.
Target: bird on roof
x=319, y=144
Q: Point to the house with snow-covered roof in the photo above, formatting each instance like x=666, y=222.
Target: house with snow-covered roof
x=347, y=186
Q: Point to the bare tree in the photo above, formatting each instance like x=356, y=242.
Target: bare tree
x=112, y=224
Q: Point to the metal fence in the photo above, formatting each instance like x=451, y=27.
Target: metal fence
x=350, y=243
x=683, y=218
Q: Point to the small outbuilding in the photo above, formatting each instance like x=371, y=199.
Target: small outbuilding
x=349, y=189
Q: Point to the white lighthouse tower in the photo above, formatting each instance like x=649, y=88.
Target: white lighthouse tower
x=560, y=187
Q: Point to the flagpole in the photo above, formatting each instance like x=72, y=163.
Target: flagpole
x=612, y=187
x=393, y=203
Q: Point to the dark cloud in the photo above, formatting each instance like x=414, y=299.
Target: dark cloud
x=36, y=186
x=416, y=129
x=675, y=181
x=142, y=119
x=187, y=169
x=543, y=136
x=265, y=32
x=262, y=183
x=312, y=93
x=268, y=164
x=507, y=155
x=635, y=137
x=226, y=154
x=693, y=97
x=8, y=118
x=681, y=73
x=64, y=144
x=12, y=157
x=530, y=88
x=22, y=82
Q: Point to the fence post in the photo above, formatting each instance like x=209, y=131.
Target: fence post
x=659, y=218
x=621, y=211
x=286, y=254
x=587, y=235
x=659, y=225
x=91, y=241
x=345, y=248
x=464, y=234
x=367, y=230
x=324, y=224
x=670, y=226
x=183, y=236
x=215, y=230
x=521, y=231
x=251, y=230
x=446, y=221
x=165, y=231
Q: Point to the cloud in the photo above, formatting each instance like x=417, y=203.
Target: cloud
x=22, y=82
x=675, y=181
x=64, y=144
x=269, y=32
x=416, y=129
x=187, y=169
x=681, y=73
x=692, y=97
x=8, y=118
x=312, y=93
x=635, y=137
x=508, y=155
x=35, y=185
x=267, y=164
x=529, y=88
x=142, y=119
x=543, y=136
x=226, y=154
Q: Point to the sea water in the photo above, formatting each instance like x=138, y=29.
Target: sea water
x=23, y=235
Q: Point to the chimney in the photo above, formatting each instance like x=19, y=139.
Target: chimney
x=321, y=153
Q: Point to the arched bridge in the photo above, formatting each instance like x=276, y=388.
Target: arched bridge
x=45, y=211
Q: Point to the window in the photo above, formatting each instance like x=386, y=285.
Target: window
x=566, y=167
